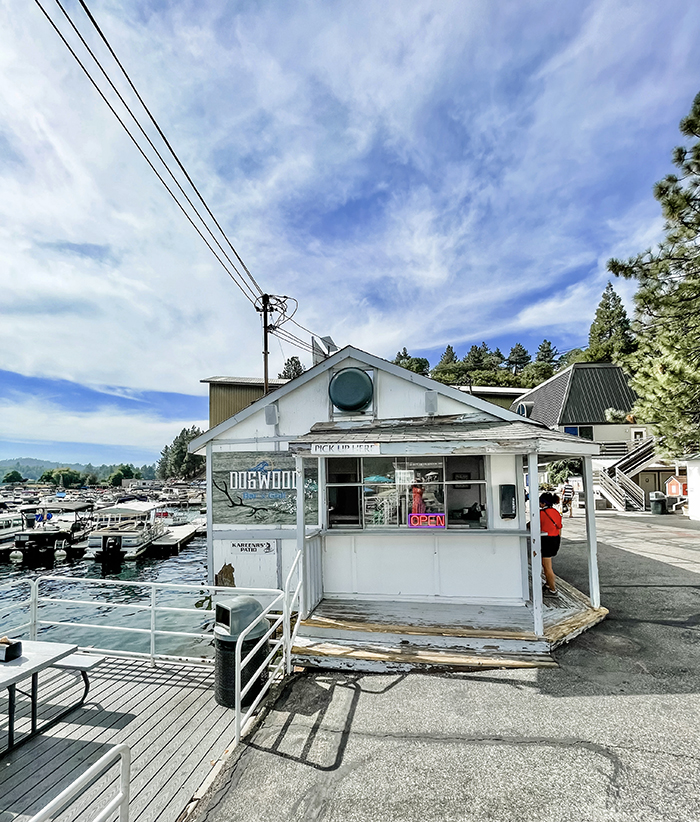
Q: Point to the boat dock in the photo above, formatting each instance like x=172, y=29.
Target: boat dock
x=167, y=715
x=177, y=535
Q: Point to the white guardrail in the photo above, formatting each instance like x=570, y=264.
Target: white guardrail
x=283, y=610
x=121, y=800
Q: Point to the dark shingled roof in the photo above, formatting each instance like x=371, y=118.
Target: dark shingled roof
x=579, y=395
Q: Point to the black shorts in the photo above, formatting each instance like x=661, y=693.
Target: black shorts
x=550, y=545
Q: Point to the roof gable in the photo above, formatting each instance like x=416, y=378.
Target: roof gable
x=354, y=356
x=580, y=395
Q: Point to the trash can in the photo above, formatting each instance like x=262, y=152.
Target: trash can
x=658, y=502
x=233, y=616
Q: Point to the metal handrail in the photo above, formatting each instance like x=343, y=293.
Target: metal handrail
x=288, y=600
x=608, y=485
x=121, y=800
x=152, y=606
x=631, y=489
x=242, y=719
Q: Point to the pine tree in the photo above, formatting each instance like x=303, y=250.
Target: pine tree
x=666, y=366
x=477, y=358
x=610, y=336
x=449, y=370
x=518, y=358
x=292, y=368
x=419, y=365
x=546, y=353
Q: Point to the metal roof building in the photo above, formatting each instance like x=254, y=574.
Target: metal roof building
x=578, y=395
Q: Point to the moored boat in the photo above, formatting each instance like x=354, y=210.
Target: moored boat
x=125, y=531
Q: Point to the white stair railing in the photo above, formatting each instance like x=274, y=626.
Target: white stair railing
x=610, y=489
x=634, y=493
x=75, y=789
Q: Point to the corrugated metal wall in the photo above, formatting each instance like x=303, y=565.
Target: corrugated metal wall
x=227, y=400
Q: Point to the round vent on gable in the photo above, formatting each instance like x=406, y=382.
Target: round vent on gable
x=351, y=389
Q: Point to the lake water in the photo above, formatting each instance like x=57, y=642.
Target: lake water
x=187, y=567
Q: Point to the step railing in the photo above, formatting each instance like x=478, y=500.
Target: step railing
x=634, y=493
x=76, y=788
x=610, y=489
x=636, y=459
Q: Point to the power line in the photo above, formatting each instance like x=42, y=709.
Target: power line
x=242, y=284
x=158, y=154
x=165, y=140
x=274, y=303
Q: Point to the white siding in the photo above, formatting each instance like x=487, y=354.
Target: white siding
x=469, y=566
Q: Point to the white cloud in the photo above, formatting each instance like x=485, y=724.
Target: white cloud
x=501, y=135
x=48, y=422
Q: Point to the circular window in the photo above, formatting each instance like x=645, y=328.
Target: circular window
x=351, y=389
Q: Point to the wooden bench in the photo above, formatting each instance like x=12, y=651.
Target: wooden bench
x=80, y=663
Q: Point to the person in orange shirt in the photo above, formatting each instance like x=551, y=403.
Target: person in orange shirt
x=550, y=530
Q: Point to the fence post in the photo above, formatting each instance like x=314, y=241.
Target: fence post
x=286, y=632
x=33, y=608
x=153, y=626
x=237, y=700
x=125, y=786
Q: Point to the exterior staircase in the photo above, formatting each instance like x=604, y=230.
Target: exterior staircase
x=615, y=482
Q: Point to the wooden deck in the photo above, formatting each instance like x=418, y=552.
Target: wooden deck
x=401, y=635
x=167, y=715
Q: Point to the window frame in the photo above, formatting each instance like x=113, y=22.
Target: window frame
x=444, y=484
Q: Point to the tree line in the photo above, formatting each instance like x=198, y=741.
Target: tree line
x=79, y=476
x=610, y=339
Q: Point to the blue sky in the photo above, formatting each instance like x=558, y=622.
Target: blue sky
x=415, y=174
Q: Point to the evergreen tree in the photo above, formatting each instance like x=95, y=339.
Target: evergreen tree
x=13, y=476
x=666, y=366
x=495, y=359
x=449, y=370
x=518, y=358
x=610, y=337
x=546, y=353
x=535, y=373
x=477, y=358
x=570, y=357
x=292, y=368
x=175, y=460
x=419, y=365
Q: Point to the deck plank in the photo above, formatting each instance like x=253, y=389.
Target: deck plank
x=167, y=715
x=73, y=749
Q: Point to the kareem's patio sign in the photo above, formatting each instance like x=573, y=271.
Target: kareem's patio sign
x=257, y=488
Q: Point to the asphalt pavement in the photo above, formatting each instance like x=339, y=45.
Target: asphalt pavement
x=611, y=735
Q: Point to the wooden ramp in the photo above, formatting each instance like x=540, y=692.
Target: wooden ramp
x=167, y=715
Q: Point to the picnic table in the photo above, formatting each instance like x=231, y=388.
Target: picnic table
x=36, y=657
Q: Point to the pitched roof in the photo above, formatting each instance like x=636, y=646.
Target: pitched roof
x=369, y=359
x=579, y=395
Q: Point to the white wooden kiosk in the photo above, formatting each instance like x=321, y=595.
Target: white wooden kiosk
x=407, y=501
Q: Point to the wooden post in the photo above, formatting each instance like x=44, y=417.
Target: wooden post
x=591, y=536
x=535, y=543
x=322, y=507
x=301, y=536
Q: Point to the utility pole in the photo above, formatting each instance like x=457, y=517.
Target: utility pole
x=265, y=310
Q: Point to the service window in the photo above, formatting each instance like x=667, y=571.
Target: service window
x=425, y=492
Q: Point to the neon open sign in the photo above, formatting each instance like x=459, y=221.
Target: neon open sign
x=426, y=520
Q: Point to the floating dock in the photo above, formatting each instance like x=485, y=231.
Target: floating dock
x=178, y=535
